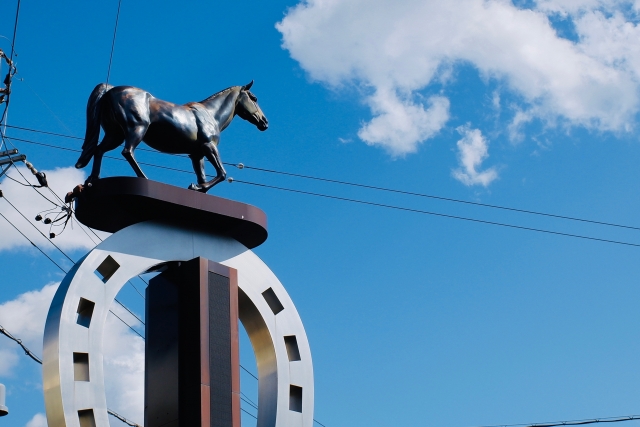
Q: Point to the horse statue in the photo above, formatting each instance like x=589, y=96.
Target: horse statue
x=131, y=115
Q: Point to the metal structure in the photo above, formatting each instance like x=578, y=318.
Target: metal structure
x=73, y=365
x=131, y=115
x=3, y=407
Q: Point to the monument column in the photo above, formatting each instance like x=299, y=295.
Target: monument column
x=192, y=371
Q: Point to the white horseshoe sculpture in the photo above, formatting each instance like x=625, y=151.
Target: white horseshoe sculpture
x=74, y=392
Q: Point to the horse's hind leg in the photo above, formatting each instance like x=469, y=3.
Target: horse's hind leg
x=109, y=142
x=133, y=138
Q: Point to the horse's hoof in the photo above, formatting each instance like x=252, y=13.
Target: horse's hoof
x=195, y=187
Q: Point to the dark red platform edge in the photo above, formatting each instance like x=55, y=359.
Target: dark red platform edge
x=112, y=204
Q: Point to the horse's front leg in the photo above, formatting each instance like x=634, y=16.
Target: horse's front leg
x=133, y=138
x=198, y=168
x=212, y=154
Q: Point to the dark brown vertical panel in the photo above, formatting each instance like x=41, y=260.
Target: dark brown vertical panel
x=190, y=286
x=161, y=350
x=220, y=344
x=235, y=347
x=205, y=356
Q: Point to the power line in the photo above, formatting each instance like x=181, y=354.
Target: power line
x=15, y=31
x=28, y=352
x=33, y=244
x=119, y=318
x=431, y=196
x=386, y=206
x=81, y=227
x=108, y=157
x=573, y=422
x=113, y=42
x=545, y=424
x=62, y=269
x=10, y=74
x=249, y=372
x=65, y=254
x=247, y=412
x=539, y=230
x=38, y=360
x=123, y=419
x=354, y=184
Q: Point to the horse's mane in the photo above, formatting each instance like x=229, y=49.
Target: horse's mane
x=219, y=93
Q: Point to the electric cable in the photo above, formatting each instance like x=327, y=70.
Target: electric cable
x=29, y=353
x=249, y=372
x=370, y=187
x=572, y=422
x=61, y=269
x=82, y=228
x=12, y=71
x=113, y=42
x=382, y=205
x=65, y=254
x=105, y=156
x=123, y=419
x=33, y=244
x=247, y=412
x=544, y=424
x=248, y=402
x=431, y=196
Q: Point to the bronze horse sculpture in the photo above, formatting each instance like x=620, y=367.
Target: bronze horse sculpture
x=131, y=115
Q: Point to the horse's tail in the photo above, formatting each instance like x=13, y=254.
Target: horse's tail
x=93, y=124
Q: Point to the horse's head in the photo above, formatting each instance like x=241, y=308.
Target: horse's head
x=248, y=109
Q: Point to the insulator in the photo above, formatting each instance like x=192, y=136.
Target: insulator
x=47, y=220
x=38, y=217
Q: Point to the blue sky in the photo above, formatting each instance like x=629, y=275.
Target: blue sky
x=412, y=319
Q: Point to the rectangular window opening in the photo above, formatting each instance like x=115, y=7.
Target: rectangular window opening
x=85, y=311
x=86, y=417
x=107, y=268
x=295, y=398
x=293, y=351
x=272, y=299
x=81, y=366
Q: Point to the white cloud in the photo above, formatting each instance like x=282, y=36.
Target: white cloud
x=473, y=150
x=397, y=48
x=25, y=317
x=399, y=125
x=124, y=366
x=38, y=420
x=61, y=180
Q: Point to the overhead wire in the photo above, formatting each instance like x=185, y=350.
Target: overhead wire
x=33, y=244
x=62, y=269
x=67, y=256
x=431, y=196
x=348, y=183
x=247, y=400
x=113, y=42
x=10, y=74
x=123, y=419
x=28, y=352
x=572, y=422
x=79, y=224
x=388, y=206
x=32, y=355
x=420, y=211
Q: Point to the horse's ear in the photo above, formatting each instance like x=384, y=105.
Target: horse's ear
x=247, y=86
